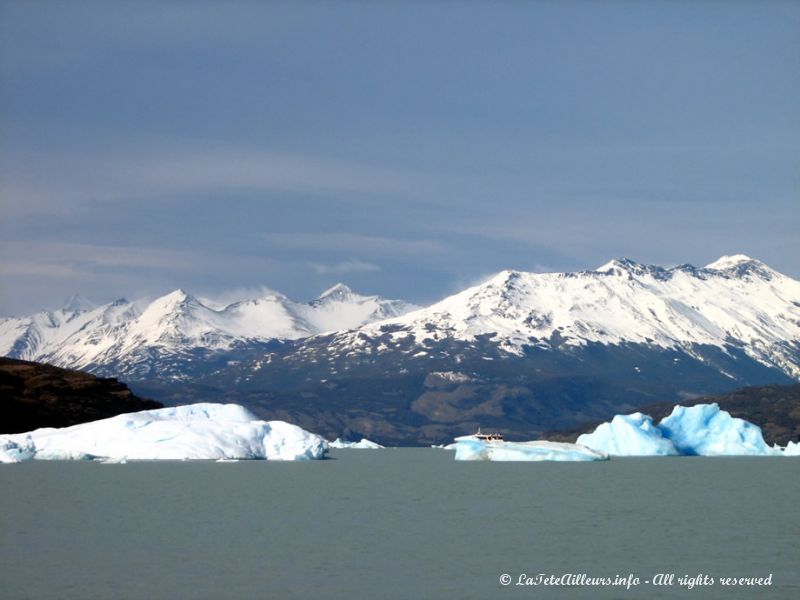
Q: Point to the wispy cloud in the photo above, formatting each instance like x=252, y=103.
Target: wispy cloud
x=352, y=243
x=348, y=266
x=222, y=298
x=46, y=182
x=32, y=268
x=50, y=257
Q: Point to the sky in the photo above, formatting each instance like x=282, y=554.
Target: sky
x=406, y=149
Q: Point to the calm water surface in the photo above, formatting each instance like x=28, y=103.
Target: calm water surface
x=397, y=523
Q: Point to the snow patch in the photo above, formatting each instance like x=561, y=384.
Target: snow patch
x=452, y=376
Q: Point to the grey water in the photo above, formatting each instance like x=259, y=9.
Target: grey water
x=396, y=523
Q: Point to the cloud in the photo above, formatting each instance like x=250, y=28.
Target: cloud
x=56, y=258
x=348, y=266
x=357, y=243
x=222, y=298
x=27, y=268
x=39, y=182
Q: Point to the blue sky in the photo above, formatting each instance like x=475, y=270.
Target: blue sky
x=407, y=149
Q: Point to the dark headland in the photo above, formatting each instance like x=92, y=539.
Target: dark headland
x=34, y=395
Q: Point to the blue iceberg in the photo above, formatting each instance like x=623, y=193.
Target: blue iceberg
x=705, y=430
x=629, y=435
x=700, y=430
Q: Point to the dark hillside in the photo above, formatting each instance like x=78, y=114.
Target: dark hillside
x=34, y=395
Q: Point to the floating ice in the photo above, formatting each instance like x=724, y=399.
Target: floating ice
x=703, y=429
x=195, y=432
x=791, y=449
x=363, y=444
x=16, y=450
x=629, y=435
x=706, y=430
x=470, y=448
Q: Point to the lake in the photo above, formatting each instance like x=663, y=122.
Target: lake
x=399, y=523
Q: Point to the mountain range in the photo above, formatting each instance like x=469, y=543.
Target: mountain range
x=521, y=352
x=162, y=337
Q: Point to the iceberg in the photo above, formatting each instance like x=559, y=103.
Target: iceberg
x=705, y=430
x=203, y=431
x=470, y=448
x=629, y=435
x=700, y=430
x=362, y=445
x=16, y=450
x=791, y=449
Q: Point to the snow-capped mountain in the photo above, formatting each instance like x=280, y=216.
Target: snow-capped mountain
x=126, y=338
x=522, y=352
x=525, y=353
x=735, y=301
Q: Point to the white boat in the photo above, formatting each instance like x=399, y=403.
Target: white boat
x=496, y=438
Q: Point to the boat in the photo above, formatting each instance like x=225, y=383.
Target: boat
x=488, y=437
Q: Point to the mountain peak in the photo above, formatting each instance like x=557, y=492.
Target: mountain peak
x=175, y=298
x=730, y=262
x=338, y=292
x=77, y=304
x=740, y=265
x=622, y=264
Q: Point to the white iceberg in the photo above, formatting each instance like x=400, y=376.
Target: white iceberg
x=629, y=435
x=16, y=450
x=700, y=430
x=203, y=431
x=470, y=448
x=791, y=449
x=362, y=445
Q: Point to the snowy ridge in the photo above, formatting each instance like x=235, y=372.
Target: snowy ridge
x=81, y=335
x=734, y=302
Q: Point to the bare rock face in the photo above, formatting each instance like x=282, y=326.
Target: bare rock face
x=34, y=395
